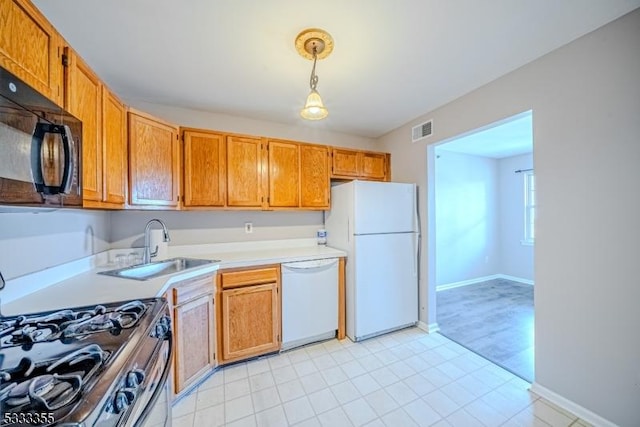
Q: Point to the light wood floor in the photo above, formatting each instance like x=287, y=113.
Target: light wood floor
x=493, y=319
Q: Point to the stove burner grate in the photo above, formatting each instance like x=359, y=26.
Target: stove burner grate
x=53, y=386
x=68, y=324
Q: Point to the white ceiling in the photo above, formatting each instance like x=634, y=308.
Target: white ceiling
x=508, y=138
x=392, y=61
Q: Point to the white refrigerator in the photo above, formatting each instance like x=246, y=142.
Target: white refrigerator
x=376, y=223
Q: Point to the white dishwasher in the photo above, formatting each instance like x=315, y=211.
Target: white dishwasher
x=309, y=301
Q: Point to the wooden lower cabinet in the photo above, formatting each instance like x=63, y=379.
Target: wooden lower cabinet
x=193, y=331
x=249, y=313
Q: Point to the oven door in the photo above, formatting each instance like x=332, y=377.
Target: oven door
x=141, y=396
x=155, y=408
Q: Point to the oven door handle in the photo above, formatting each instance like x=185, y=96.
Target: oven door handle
x=159, y=389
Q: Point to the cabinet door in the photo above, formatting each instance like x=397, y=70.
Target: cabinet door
x=114, y=149
x=315, y=185
x=244, y=172
x=345, y=163
x=194, y=340
x=284, y=174
x=250, y=321
x=83, y=99
x=373, y=166
x=30, y=48
x=204, y=169
x=154, y=162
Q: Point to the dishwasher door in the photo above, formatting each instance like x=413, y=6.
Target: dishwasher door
x=309, y=301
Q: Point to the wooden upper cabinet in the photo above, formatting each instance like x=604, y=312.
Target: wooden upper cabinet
x=154, y=162
x=245, y=170
x=315, y=185
x=204, y=174
x=373, y=166
x=358, y=164
x=83, y=99
x=31, y=48
x=345, y=162
x=284, y=174
x=114, y=149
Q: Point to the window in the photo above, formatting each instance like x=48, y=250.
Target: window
x=529, y=208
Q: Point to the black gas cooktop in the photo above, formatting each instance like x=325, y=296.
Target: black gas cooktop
x=59, y=363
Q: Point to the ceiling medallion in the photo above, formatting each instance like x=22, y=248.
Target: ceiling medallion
x=307, y=39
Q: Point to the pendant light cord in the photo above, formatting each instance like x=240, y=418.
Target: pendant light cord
x=313, y=80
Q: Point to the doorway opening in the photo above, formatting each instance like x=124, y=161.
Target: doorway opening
x=483, y=213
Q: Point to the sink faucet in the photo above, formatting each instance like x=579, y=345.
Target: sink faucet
x=146, y=257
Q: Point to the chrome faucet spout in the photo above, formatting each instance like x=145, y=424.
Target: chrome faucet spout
x=148, y=254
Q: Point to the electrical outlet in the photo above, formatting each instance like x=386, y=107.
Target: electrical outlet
x=248, y=227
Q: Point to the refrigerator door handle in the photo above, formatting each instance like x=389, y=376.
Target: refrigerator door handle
x=416, y=248
x=418, y=254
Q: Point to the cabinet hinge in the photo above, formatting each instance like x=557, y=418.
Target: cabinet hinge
x=268, y=199
x=177, y=198
x=65, y=60
x=278, y=338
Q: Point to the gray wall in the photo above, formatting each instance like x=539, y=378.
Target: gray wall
x=467, y=215
x=192, y=228
x=309, y=132
x=479, y=207
x=585, y=99
x=516, y=259
x=35, y=239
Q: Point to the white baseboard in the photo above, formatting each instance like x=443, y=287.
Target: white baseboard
x=428, y=328
x=571, y=406
x=466, y=282
x=515, y=279
x=482, y=279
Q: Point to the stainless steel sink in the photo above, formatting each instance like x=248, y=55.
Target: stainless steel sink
x=157, y=269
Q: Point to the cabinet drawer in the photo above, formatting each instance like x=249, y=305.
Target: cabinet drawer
x=254, y=276
x=189, y=289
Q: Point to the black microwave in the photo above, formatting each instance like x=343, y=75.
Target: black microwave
x=39, y=148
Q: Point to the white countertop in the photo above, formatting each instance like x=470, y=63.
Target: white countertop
x=88, y=288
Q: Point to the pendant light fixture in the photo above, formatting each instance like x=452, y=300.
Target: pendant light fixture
x=314, y=44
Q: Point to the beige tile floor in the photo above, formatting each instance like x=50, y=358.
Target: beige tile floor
x=403, y=379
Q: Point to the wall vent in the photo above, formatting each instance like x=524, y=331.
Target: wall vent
x=422, y=131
